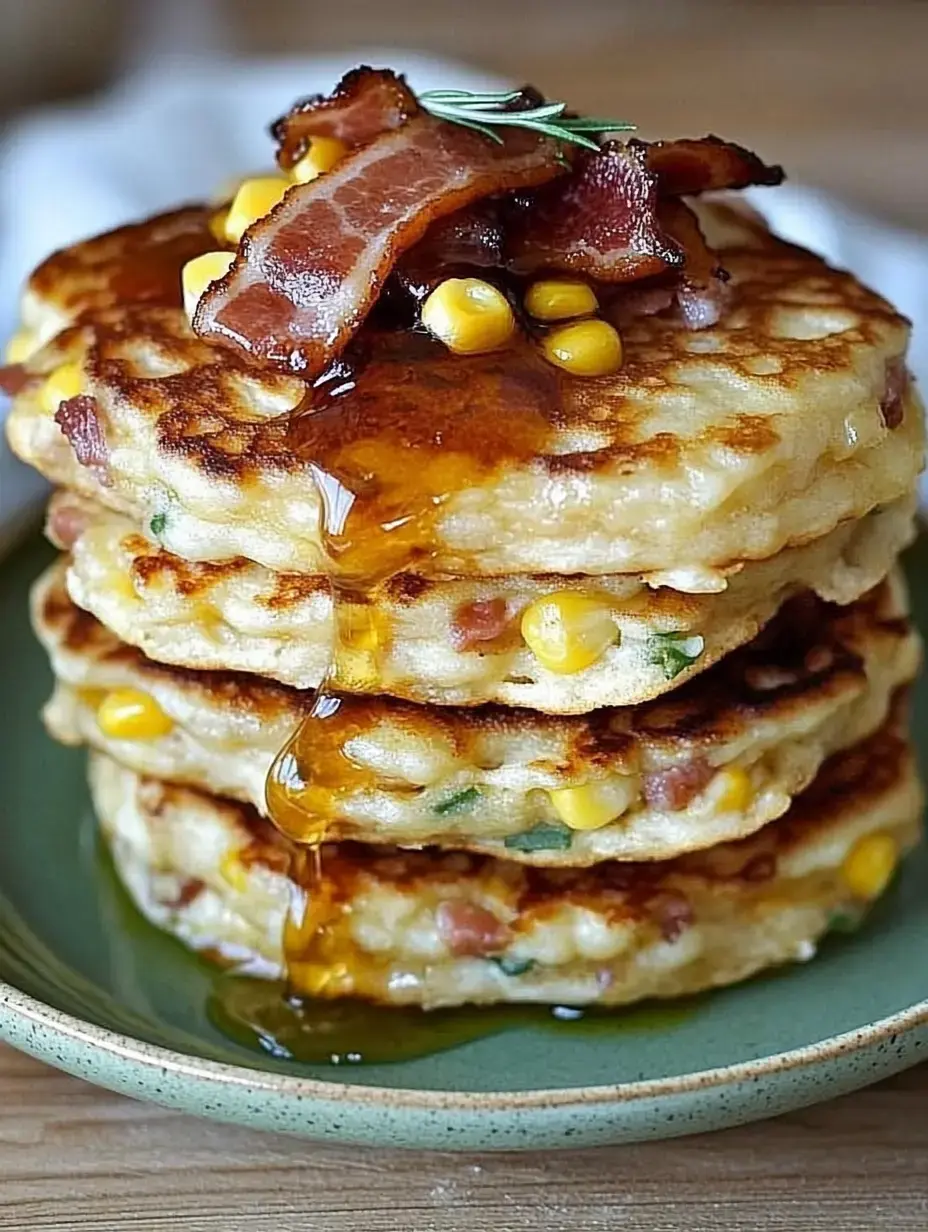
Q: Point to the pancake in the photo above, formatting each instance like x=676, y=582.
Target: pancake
x=429, y=929
x=769, y=429
x=240, y=616
x=715, y=762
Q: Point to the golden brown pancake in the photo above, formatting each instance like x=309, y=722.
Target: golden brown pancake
x=431, y=929
x=447, y=642
x=706, y=449
x=713, y=762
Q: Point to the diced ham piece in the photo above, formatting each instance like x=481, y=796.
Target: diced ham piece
x=672, y=913
x=14, y=378
x=469, y=929
x=892, y=407
x=79, y=419
x=307, y=274
x=66, y=523
x=672, y=789
x=364, y=104
x=475, y=623
x=702, y=293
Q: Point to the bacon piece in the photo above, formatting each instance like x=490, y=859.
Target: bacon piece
x=705, y=164
x=65, y=523
x=469, y=929
x=702, y=294
x=478, y=622
x=601, y=221
x=79, y=420
x=673, y=914
x=672, y=789
x=14, y=378
x=468, y=240
x=759, y=868
x=892, y=406
x=364, y=104
x=307, y=275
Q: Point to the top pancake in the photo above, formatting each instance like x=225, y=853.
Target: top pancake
x=707, y=448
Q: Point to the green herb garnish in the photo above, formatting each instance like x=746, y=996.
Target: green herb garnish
x=513, y=966
x=458, y=803
x=157, y=524
x=486, y=112
x=673, y=653
x=546, y=836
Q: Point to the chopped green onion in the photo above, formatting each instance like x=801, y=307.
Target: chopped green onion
x=158, y=523
x=673, y=653
x=546, y=836
x=513, y=966
x=458, y=803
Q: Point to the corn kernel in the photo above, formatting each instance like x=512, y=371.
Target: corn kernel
x=585, y=348
x=594, y=805
x=217, y=225
x=199, y=273
x=734, y=790
x=870, y=864
x=19, y=348
x=232, y=870
x=254, y=199
x=65, y=382
x=322, y=155
x=130, y=714
x=568, y=630
x=557, y=299
x=468, y=315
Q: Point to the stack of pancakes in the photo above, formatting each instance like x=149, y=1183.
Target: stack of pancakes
x=639, y=730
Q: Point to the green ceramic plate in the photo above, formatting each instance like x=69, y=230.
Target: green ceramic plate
x=86, y=986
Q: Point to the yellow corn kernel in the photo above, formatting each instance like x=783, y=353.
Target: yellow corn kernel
x=130, y=714
x=217, y=225
x=558, y=299
x=468, y=315
x=65, y=382
x=322, y=155
x=19, y=348
x=734, y=789
x=594, y=805
x=199, y=273
x=232, y=870
x=254, y=199
x=584, y=348
x=870, y=864
x=568, y=630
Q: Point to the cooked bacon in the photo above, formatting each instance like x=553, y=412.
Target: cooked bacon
x=672, y=789
x=469, y=929
x=14, y=378
x=307, y=275
x=79, y=420
x=702, y=293
x=364, y=104
x=672, y=912
x=892, y=407
x=65, y=523
x=705, y=164
x=472, y=624
x=470, y=239
x=646, y=299
x=601, y=221
x=759, y=868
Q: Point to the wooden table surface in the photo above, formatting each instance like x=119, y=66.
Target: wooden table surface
x=839, y=93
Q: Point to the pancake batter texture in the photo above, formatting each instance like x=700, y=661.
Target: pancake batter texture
x=478, y=575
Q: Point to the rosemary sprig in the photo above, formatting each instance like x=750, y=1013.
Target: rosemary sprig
x=486, y=112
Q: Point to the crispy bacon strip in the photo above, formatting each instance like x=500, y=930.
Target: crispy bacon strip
x=601, y=221
x=79, y=420
x=307, y=275
x=466, y=241
x=364, y=104
x=705, y=164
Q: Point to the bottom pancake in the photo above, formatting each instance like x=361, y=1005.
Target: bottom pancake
x=440, y=929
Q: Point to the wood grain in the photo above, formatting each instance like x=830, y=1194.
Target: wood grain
x=839, y=93
x=75, y=1158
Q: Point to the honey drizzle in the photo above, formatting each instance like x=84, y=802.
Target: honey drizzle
x=400, y=432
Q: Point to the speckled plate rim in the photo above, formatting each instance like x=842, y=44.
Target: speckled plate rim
x=396, y=1116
